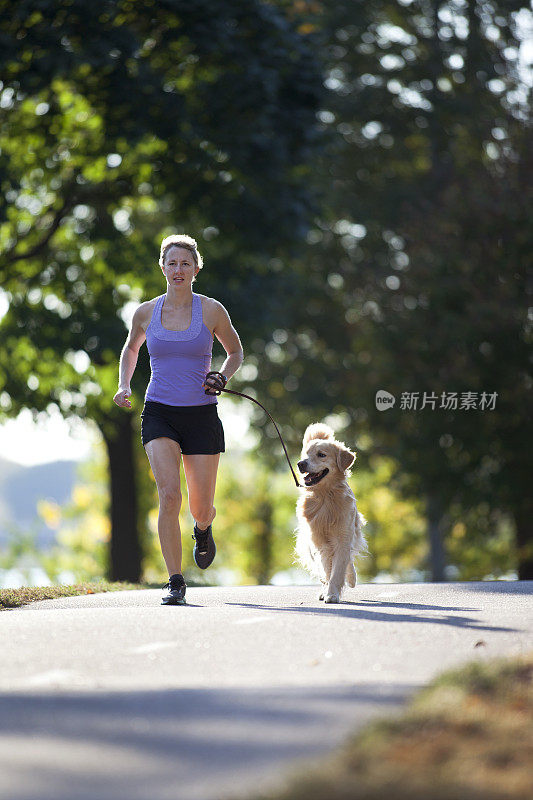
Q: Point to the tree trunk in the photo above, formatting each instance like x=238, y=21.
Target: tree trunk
x=434, y=516
x=125, y=560
x=524, y=540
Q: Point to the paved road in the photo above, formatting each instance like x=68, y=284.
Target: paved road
x=113, y=696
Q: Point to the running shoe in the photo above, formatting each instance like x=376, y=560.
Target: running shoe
x=176, y=591
x=204, y=549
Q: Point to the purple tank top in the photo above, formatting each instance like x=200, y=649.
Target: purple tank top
x=179, y=360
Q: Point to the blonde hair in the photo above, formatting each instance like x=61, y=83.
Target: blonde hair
x=180, y=240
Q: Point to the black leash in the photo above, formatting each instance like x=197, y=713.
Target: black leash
x=218, y=389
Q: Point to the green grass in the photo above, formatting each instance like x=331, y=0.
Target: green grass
x=12, y=598
x=468, y=736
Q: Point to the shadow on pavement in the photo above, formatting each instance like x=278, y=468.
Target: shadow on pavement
x=194, y=743
x=350, y=610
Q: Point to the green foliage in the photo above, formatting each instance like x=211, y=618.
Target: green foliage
x=481, y=543
x=20, y=551
x=80, y=549
x=396, y=527
x=83, y=528
x=256, y=517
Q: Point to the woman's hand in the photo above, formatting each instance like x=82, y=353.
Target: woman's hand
x=121, y=398
x=214, y=382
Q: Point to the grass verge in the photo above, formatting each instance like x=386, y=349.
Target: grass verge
x=468, y=736
x=12, y=598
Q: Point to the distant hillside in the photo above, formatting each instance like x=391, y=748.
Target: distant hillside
x=21, y=488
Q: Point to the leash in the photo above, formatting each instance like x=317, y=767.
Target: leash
x=218, y=377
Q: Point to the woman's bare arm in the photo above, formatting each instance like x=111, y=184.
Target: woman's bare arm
x=229, y=339
x=129, y=355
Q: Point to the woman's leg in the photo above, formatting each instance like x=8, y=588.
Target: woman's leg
x=164, y=456
x=201, y=476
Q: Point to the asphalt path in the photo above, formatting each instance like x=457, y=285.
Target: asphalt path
x=113, y=696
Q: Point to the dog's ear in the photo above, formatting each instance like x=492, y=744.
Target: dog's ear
x=317, y=431
x=345, y=458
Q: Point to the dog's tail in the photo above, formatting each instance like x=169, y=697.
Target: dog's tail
x=360, y=546
x=317, y=431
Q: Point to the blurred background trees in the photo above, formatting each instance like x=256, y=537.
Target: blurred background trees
x=359, y=178
x=416, y=272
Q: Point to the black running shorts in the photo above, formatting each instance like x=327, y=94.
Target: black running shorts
x=197, y=429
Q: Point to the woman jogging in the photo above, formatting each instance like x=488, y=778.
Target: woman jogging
x=180, y=416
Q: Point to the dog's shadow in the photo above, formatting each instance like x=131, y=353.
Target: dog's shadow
x=360, y=610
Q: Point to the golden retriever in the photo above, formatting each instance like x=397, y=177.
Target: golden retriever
x=329, y=533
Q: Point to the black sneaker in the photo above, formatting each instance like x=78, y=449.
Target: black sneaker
x=204, y=549
x=176, y=591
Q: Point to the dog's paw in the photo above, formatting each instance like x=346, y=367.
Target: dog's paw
x=321, y=596
x=332, y=598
